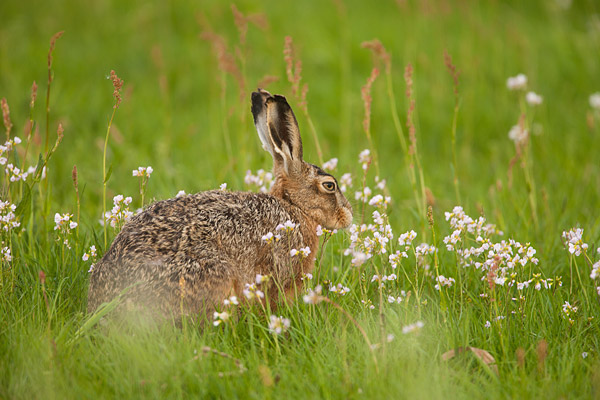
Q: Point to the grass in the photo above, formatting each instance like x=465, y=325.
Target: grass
x=184, y=113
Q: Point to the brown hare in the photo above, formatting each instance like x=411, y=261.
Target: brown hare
x=187, y=254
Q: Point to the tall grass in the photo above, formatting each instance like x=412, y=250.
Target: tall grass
x=421, y=298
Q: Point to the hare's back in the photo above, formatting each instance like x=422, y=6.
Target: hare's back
x=202, y=222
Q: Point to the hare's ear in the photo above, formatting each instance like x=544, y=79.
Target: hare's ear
x=259, y=112
x=278, y=131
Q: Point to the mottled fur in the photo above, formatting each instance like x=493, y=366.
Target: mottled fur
x=196, y=250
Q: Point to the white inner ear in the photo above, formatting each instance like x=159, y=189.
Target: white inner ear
x=263, y=134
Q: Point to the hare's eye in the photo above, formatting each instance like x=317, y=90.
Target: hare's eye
x=329, y=186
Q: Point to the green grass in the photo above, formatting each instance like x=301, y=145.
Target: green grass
x=177, y=117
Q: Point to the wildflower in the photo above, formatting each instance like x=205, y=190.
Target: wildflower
x=412, y=327
x=533, y=99
x=487, y=324
x=394, y=259
x=368, y=304
x=8, y=219
x=5, y=255
x=518, y=134
x=231, y=300
x=452, y=239
x=63, y=222
x=223, y=186
x=595, y=274
x=584, y=354
x=364, y=158
x=568, y=311
x=306, y=276
x=143, y=172
x=390, y=338
x=330, y=165
x=378, y=200
x=345, y=182
x=120, y=212
x=399, y=299
x=574, y=239
x=263, y=180
x=302, y=253
x=363, y=195
x=251, y=291
x=406, y=238
x=321, y=231
x=380, y=183
x=270, y=238
x=359, y=258
x=220, y=317
x=181, y=193
x=595, y=101
x=92, y=253
x=339, y=289
x=443, y=281
x=278, y=325
x=287, y=227
x=313, y=296
x=517, y=82
x=261, y=278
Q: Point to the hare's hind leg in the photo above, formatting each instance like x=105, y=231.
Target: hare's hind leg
x=203, y=285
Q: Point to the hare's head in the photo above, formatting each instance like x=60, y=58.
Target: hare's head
x=305, y=185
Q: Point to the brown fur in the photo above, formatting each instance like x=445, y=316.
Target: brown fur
x=194, y=251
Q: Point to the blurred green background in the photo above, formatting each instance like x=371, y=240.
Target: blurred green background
x=173, y=115
x=178, y=110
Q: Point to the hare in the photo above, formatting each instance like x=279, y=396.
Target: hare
x=187, y=254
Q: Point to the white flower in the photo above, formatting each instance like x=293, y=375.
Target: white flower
x=306, y=276
x=595, y=101
x=270, y=238
x=363, y=195
x=142, y=172
x=330, y=165
x=487, y=324
x=339, y=289
x=345, y=182
x=220, y=317
x=584, y=354
x=365, y=158
x=288, y=226
x=278, y=325
x=517, y=82
x=261, y=278
x=180, y=193
x=379, y=200
x=533, y=99
x=223, y=186
x=251, y=291
x=231, y=300
x=303, y=252
x=517, y=134
x=595, y=270
x=568, y=310
x=390, y=337
x=313, y=296
x=406, y=238
x=574, y=238
x=443, y=281
x=412, y=327
x=6, y=255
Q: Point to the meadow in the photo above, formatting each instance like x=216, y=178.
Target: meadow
x=465, y=135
